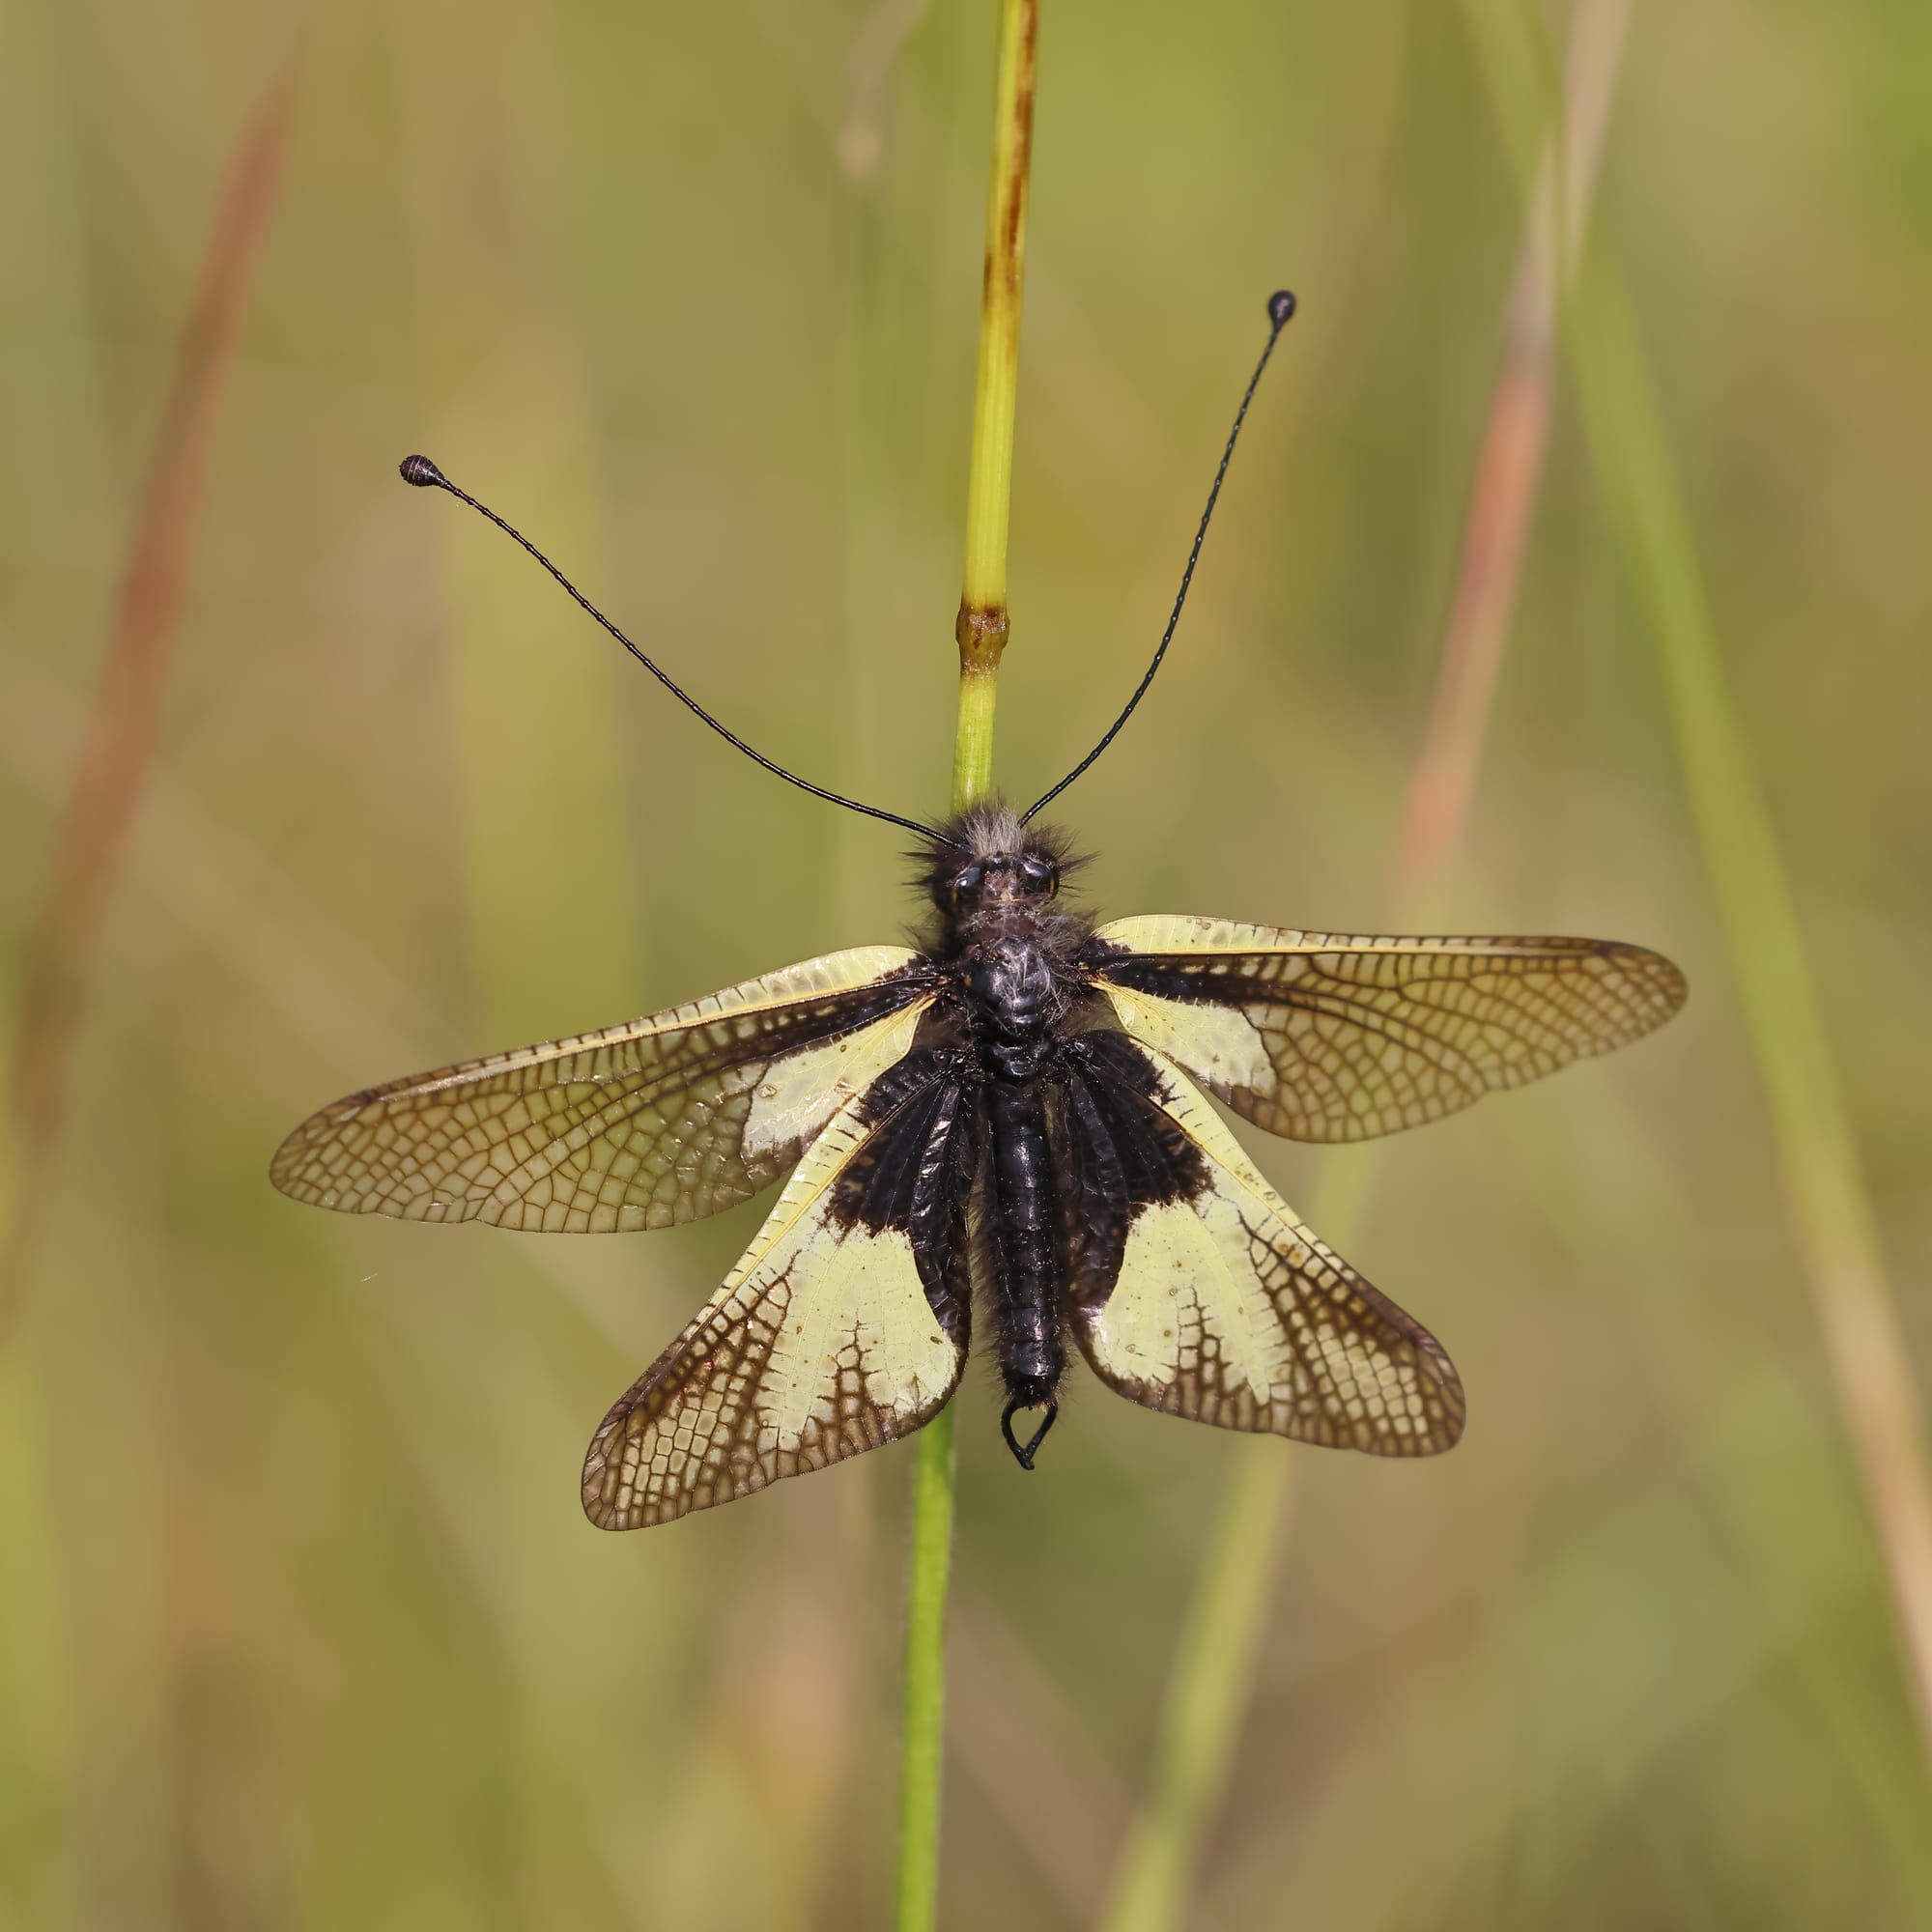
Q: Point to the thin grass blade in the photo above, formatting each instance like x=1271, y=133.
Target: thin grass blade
x=1212, y=1683
x=119, y=747
x=1622, y=425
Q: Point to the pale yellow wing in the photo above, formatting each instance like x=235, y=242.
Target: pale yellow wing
x=844, y=1326
x=1225, y=1309
x=1331, y=1036
x=660, y=1120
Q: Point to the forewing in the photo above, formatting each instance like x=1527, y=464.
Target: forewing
x=844, y=1326
x=1326, y=1037
x=665, y=1119
x=1196, y=1291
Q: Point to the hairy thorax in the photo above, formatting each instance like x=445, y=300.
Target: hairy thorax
x=995, y=885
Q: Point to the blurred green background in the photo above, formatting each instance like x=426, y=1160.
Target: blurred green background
x=300, y=1622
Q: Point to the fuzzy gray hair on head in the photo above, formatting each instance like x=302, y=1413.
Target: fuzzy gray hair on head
x=989, y=830
x=984, y=832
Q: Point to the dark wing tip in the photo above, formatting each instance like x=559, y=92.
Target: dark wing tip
x=1447, y=1428
x=601, y=1515
x=599, y=1491
x=1672, y=986
x=603, y=1459
x=1660, y=980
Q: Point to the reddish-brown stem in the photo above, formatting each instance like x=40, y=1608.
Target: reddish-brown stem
x=119, y=748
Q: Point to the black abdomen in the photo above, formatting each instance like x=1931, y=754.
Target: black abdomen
x=1027, y=1284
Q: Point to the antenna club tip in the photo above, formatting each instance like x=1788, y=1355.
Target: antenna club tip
x=422, y=472
x=1281, y=306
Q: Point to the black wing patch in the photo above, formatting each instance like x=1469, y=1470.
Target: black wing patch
x=1118, y=1156
x=844, y=1326
x=1331, y=1036
x=1196, y=1291
x=660, y=1120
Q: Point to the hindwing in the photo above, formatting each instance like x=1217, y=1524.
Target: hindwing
x=660, y=1120
x=1196, y=1291
x=844, y=1326
x=1325, y=1037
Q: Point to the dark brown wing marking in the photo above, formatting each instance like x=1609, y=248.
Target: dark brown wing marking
x=1325, y=1037
x=842, y=1326
x=1196, y=1291
x=660, y=1120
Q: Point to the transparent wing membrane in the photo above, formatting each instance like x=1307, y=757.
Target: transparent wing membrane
x=842, y=1328
x=664, y=1119
x=1197, y=1293
x=1326, y=1037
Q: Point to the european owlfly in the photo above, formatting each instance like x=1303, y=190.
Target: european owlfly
x=1010, y=1119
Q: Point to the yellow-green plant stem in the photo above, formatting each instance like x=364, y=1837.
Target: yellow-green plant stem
x=973, y=746
x=1623, y=424
x=982, y=628
x=980, y=632
x=1206, y=1692
x=1219, y=1652
x=922, y=1722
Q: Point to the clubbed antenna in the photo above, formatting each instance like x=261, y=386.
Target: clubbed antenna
x=425, y=476
x=1281, y=306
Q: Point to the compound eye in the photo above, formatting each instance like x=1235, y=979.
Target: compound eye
x=966, y=884
x=1039, y=876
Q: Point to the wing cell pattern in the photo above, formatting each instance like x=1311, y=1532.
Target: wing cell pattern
x=1327, y=1036
x=660, y=1120
x=1197, y=1293
x=844, y=1326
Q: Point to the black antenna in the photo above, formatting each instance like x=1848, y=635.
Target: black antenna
x=1281, y=306
x=425, y=476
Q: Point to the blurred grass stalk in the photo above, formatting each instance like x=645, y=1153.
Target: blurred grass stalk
x=539, y=755
x=119, y=746
x=981, y=632
x=540, y=782
x=1623, y=426
x=1212, y=1683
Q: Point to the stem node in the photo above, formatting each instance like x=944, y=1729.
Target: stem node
x=980, y=632
x=981, y=636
